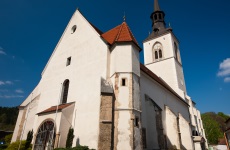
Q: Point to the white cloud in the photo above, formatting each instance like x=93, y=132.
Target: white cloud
x=19, y=91
x=6, y=82
x=11, y=96
x=9, y=82
x=2, y=83
x=227, y=79
x=224, y=69
x=2, y=52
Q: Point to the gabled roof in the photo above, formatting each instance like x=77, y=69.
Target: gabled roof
x=160, y=81
x=121, y=33
x=54, y=108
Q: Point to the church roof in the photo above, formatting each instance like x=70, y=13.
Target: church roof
x=121, y=33
x=160, y=81
x=54, y=108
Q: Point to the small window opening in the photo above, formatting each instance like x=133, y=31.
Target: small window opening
x=123, y=82
x=137, y=122
x=160, y=16
x=155, y=16
x=160, y=53
x=156, y=55
x=73, y=29
x=68, y=61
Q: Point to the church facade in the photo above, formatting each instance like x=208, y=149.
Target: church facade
x=95, y=84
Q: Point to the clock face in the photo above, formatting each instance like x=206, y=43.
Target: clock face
x=157, y=46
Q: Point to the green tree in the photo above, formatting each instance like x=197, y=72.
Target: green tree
x=70, y=136
x=214, y=126
x=29, y=139
x=8, y=138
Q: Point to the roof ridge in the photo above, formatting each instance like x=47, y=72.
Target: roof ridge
x=119, y=32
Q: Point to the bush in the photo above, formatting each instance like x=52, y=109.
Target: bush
x=69, y=140
x=75, y=148
x=8, y=138
x=15, y=145
x=29, y=139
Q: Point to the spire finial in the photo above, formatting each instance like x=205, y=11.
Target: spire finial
x=124, y=17
x=156, y=5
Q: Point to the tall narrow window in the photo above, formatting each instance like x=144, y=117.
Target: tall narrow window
x=160, y=53
x=160, y=16
x=155, y=16
x=156, y=55
x=68, y=61
x=176, y=51
x=65, y=91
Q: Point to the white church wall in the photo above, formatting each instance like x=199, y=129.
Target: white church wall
x=173, y=75
x=124, y=58
x=66, y=123
x=165, y=40
x=149, y=122
x=162, y=98
x=16, y=128
x=171, y=128
x=88, y=64
x=185, y=133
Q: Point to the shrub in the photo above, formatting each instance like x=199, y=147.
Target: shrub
x=15, y=145
x=29, y=139
x=69, y=140
x=75, y=148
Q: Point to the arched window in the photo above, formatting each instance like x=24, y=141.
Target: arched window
x=160, y=53
x=160, y=16
x=155, y=16
x=157, y=51
x=156, y=55
x=65, y=91
x=45, y=136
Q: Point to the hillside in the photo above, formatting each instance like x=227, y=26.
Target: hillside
x=8, y=118
x=214, y=125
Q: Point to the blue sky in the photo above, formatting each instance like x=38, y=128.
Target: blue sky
x=29, y=31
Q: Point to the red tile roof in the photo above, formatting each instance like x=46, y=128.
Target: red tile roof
x=121, y=33
x=160, y=81
x=54, y=108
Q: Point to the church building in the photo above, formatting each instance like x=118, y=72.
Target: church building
x=95, y=84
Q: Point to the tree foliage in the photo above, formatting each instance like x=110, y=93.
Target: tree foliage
x=8, y=118
x=29, y=139
x=70, y=136
x=214, y=125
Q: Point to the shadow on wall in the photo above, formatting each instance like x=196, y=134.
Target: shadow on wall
x=170, y=146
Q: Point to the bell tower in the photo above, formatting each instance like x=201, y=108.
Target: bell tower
x=162, y=53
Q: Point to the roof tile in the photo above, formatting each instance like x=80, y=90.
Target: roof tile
x=54, y=108
x=121, y=33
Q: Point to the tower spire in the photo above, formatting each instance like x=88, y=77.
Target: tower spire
x=157, y=18
x=156, y=6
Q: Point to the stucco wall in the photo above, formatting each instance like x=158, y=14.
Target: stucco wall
x=162, y=98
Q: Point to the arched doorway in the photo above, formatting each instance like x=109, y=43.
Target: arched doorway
x=45, y=136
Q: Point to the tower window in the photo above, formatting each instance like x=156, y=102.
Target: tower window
x=123, y=82
x=157, y=51
x=144, y=142
x=156, y=55
x=155, y=16
x=65, y=91
x=160, y=53
x=160, y=16
x=68, y=61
